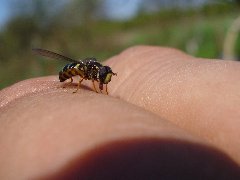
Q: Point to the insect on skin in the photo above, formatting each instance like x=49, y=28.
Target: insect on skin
x=88, y=69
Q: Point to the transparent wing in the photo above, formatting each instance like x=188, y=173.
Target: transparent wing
x=53, y=55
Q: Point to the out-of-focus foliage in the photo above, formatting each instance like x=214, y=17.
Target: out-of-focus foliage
x=78, y=29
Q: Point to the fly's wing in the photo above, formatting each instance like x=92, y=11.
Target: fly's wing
x=53, y=55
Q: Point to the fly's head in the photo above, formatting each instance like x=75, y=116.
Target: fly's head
x=105, y=75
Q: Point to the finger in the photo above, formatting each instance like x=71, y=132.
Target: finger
x=199, y=95
x=54, y=134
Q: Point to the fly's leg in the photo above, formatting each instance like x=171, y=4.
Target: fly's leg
x=67, y=84
x=94, y=87
x=78, y=87
x=106, y=89
x=101, y=87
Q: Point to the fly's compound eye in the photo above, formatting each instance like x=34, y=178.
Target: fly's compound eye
x=102, y=72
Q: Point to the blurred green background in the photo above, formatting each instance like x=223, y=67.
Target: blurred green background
x=103, y=28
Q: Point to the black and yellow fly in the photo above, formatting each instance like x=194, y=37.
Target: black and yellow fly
x=88, y=69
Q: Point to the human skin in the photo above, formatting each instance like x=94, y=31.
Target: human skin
x=167, y=115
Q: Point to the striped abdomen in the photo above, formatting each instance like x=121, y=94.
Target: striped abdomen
x=71, y=70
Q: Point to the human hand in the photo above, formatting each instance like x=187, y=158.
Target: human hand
x=168, y=115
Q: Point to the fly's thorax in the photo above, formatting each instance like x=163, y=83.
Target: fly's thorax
x=92, y=68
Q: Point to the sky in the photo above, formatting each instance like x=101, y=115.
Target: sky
x=121, y=9
x=116, y=9
x=4, y=11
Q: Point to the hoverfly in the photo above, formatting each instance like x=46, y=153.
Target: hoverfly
x=88, y=69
